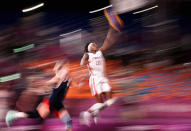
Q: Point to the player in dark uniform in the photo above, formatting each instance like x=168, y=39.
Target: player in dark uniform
x=50, y=104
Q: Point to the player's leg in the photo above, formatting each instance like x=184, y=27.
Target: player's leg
x=110, y=101
x=97, y=92
x=65, y=118
x=108, y=93
x=43, y=108
x=106, y=90
x=41, y=112
x=85, y=116
x=13, y=115
x=93, y=111
x=99, y=98
x=61, y=113
x=56, y=105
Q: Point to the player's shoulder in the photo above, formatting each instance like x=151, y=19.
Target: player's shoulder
x=89, y=54
x=100, y=52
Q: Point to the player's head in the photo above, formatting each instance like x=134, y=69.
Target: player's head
x=59, y=65
x=91, y=47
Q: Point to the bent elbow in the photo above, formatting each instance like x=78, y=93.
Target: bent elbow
x=82, y=63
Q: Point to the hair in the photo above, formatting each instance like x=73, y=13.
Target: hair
x=86, y=47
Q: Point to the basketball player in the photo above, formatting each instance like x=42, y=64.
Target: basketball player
x=94, y=59
x=53, y=103
x=121, y=20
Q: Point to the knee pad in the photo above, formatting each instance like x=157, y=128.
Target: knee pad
x=67, y=120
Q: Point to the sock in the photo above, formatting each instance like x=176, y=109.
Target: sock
x=21, y=115
x=67, y=120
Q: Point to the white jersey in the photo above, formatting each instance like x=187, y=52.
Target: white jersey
x=98, y=82
x=96, y=64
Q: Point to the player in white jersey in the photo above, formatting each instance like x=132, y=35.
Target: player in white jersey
x=98, y=82
x=53, y=103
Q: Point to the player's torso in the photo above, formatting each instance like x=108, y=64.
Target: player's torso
x=62, y=75
x=96, y=64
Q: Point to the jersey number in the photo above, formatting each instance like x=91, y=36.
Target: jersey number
x=98, y=62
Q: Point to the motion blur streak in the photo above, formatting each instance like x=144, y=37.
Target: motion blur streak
x=148, y=65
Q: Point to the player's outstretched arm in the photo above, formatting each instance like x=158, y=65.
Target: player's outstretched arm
x=54, y=80
x=111, y=38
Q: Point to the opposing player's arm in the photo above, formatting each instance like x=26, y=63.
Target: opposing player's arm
x=54, y=80
x=110, y=39
x=84, y=59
